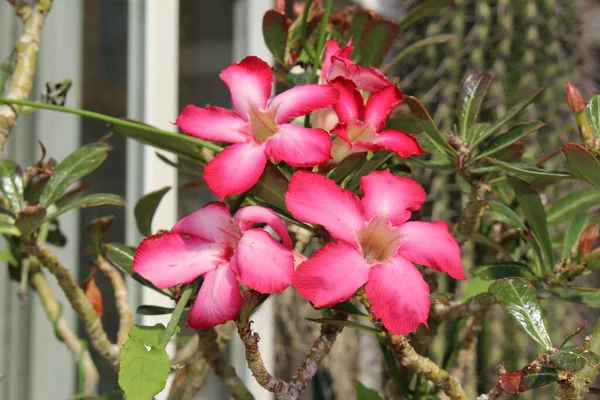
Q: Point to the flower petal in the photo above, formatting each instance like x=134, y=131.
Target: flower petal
x=399, y=142
x=316, y=199
x=431, y=244
x=399, y=295
x=167, y=259
x=343, y=67
x=381, y=104
x=212, y=222
x=370, y=79
x=248, y=216
x=389, y=196
x=350, y=106
x=250, y=83
x=235, y=169
x=325, y=119
x=213, y=123
x=218, y=301
x=332, y=275
x=301, y=100
x=299, y=146
x=263, y=263
x=332, y=47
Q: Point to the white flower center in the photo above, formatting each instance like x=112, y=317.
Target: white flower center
x=379, y=240
x=262, y=124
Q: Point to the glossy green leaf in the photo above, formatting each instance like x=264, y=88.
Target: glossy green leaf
x=95, y=231
x=571, y=335
x=423, y=10
x=347, y=324
x=517, y=297
x=377, y=37
x=573, y=233
x=275, y=33
x=72, y=195
x=476, y=130
x=120, y=256
x=582, y=164
x=573, y=358
x=9, y=229
x=29, y=219
x=528, y=378
x=528, y=171
x=418, y=45
x=576, y=294
x=364, y=393
x=502, y=213
x=574, y=202
x=144, y=364
x=153, y=310
x=74, y=167
x=503, y=269
x=503, y=141
x=472, y=92
x=92, y=200
x=533, y=209
x=592, y=111
x=429, y=128
x=11, y=184
x=145, y=209
x=271, y=187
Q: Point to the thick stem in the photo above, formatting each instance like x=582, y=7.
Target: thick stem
x=457, y=310
x=27, y=49
x=473, y=211
x=121, y=299
x=465, y=360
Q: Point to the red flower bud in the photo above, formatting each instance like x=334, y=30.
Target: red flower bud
x=574, y=99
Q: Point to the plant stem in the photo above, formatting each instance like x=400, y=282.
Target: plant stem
x=121, y=299
x=176, y=316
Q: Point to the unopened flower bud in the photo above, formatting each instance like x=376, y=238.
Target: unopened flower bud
x=574, y=99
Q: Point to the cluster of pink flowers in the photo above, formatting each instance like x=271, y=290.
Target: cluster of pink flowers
x=374, y=243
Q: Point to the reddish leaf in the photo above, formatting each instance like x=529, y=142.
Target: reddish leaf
x=530, y=377
x=92, y=292
x=375, y=41
x=275, y=33
x=587, y=238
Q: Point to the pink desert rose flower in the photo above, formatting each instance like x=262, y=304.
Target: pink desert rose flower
x=226, y=251
x=338, y=63
x=373, y=245
x=259, y=128
x=360, y=126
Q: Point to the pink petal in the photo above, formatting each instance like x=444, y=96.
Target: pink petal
x=399, y=295
x=350, y=106
x=235, y=169
x=332, y=47
x=263, y=263
x=301, y=100
x=381, y=104
x=298, y=259
x=316, y=199
x=212, y=222
x=343, y=67
x=325, y=119
x=250, y=83
x=218, y=301
x=299, y=146
x=332, y=275
x=248, y=216
x=431, y=244
x=213, y=123
x=399, y=142
x=389, y=196
x=370, y=79
x=167, y=259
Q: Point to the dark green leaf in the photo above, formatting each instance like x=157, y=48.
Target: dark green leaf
x=503, y=269
x=502, y=213
x=377, y=37
x=592, y=111
x=526, y=170
x=348, y=308
x=364, y=393
x=582, y=164
x=271, y=187
x=571, y=238
x=345, y=323
x=74, y=167
x=72, y=195
x=92, y=200
x=55, y=236
x=426, y=9
x=145, y=209
x=573, y=358
x=476, y=130
x=571, y=335
x=275, y=33
x=34, y=189
x=533, y=209
x=346, y=167
x=516, y=133
x=356, y=28
x=527, y=378
x=9, y=229
x=428, y=126
x=375, y=162
x=11, y=184
x=591, y=261
x=577, y=201
x=95, y=231
x=517, y=297
x=120, y=256
x=153, y=310
x=472, y=92
x=576, y=294
x=29, y=219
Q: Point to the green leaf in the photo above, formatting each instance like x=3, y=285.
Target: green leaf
x=271, y=187
x=510, y=114
x=502, y=213
x=120, y=256
x=428, y=126
x=34, y=189
x=528, y=378
x=576, y=294
x=92, y=200
x=503, y=269
x=9, y=229
x=275, y=33
x=428, y=41
x=145, y=209
x=377, y=37
x=144, y=365
x=517, y=297
x=571, y=335
x=11, y=184
x=592, y=111
x=582, y=164
x=503, y=141
x=348, y=324
x=432, y=164
x=364, y=393
x=29, y=219
x=526, y=170
x=348, y=308
x=591, y=261
x=533, y=209
x=573, y=358
x=72, y=195
x=472, y=92
x=7, y=256
x=153, y=310
x=74, y=167
x=571, y=238
x=577, y=201
x=95, y=231
x=424, y=10
x=356, y=28
x=377, y=160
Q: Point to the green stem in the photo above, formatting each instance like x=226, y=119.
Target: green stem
x=176, y=316
x=321, y=42
x=303, y=34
